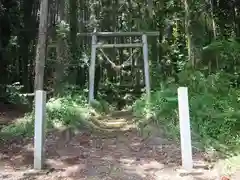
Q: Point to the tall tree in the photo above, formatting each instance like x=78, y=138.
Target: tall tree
x=42, y=46
x=188, y=32
x=61, y=49
x=73, y=20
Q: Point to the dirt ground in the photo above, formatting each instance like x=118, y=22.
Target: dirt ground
x=120, y=155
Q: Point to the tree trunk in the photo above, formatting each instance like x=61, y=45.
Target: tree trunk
x=188, y=33
x=61, y=52
x=42, y=46
x=25, y=38
x=73, y=39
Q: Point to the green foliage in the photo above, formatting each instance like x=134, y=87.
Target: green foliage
x=20, y=128
x=100, y=106
x=13, y=94
x=214, y=108
x=70, y=110
x=223, y=47
x=227, y=52
x=62, y=29
x=213, y=99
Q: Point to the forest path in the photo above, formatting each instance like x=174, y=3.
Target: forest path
x=118, y=154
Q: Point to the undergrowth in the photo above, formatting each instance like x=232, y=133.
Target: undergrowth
x=70, y=110
x=214, y=109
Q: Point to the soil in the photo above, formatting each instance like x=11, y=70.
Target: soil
x=120, y=155
x=9, y=113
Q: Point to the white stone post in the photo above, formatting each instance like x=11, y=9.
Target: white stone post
x=185, y=132
x=39, y=129
x=92, y=68
x=146, y=65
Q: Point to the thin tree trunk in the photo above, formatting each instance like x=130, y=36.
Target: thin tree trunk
x=42, y=46
x=61, y=51
x=188, y=33
x=214, y=31
x=73, y=39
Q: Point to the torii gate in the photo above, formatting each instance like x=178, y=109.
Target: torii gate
x=95, y=45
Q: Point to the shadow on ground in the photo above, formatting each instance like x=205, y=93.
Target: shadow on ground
x=94, y=156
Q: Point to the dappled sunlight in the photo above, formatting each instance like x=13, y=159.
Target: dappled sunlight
x=229, y=165
x=116, y=152
x=54, y=103
x=142, y=167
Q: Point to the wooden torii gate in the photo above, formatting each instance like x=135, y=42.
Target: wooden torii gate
x=95, y=45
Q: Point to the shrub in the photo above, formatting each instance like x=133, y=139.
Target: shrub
x=70, y=110
x=214, y=108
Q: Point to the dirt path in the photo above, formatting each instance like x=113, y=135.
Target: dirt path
x=119, y=155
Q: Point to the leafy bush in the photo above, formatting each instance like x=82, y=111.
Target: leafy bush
x=70, y=110
x=20, y=128
x=214, y=107
x=13, y=94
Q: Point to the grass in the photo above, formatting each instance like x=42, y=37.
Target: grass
x=70, y=111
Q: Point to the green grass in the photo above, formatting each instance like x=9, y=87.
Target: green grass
x=67, y=111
